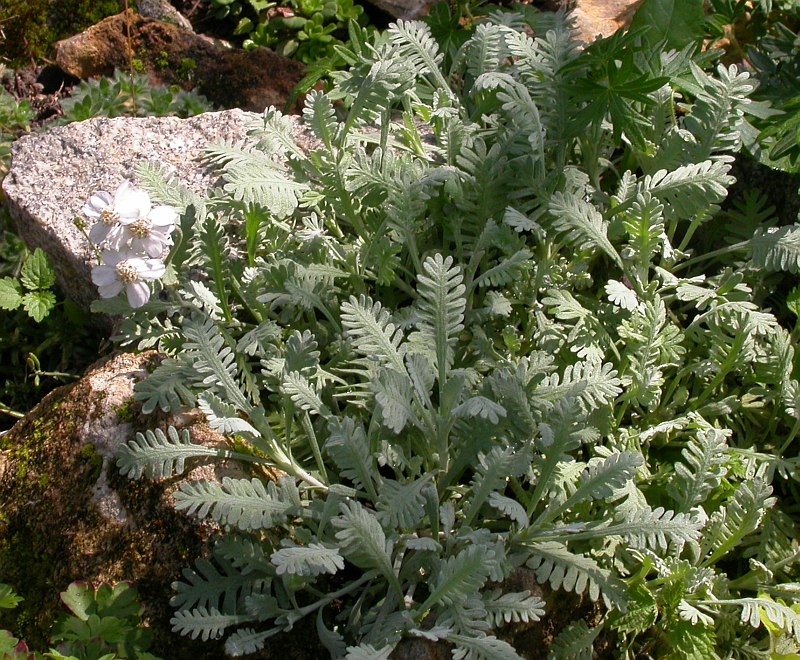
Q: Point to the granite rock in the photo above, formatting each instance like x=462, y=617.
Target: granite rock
x=162, y=10
x=54, y=173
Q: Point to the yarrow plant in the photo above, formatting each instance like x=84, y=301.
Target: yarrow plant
x=131, y=237
x=473, y=325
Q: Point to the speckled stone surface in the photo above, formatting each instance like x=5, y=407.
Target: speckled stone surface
x=54, y=173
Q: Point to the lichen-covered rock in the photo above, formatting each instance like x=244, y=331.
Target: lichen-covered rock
x=228, y=77
x=54, y=173
x=66, y=514
x=162, y=10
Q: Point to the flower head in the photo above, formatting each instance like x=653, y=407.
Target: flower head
x=126, y=271
x=149, y=235
x=127, y=205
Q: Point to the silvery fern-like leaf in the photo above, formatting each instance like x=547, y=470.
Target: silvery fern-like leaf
x=716, y=116
x=566, y=306
x=690, y=189
x=692, y=614
x=373, y=93
x=652, y=344
x=414, y=43
x=320, y=117
x=512, y=607
x=374, y=335
x=589, y=383
x=776, y=248
x=348, y=446
x=510, y=507
x=401, y=506
x=264, y=182
x=219, y=586
x=575, y=642
x=303, y=394
x=166, y=388
x=480, y=406
x=246, y=640
x=602, y=478
x=205, y=623
x=485, y=50
x=541, y=63
x=497, y=304
x=483, y=647
x=741, y=516
x=491, y=474
x=256, y=341
x=213, y=361
x=644, y=224
x=203, y=298
x=704, y=466
x=440, y=306
x=394, y=394
x=783, y=616
x=520, y=223
x=222, y=416
x=301, y=353
x=311, y=560
x=276, y=134
x=244, y=553
x=157, y=456
x=162, y=186
x=241, y=503
x=582, y=224
x=368, y=652
x=362, y=540
x=467, y=617
x=657, y=528
x=568, y=483
x=508, y=270
x=554, y=563
x=460, y=576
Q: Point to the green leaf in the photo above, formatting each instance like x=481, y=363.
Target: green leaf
x=641, y=614
x=38, y=304
x=8, y=645
x=10, y=294
x=8, y=598
x=679, y=22
x=36, y=272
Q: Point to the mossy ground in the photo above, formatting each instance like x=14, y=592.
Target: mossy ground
x=31, y=27
x=52, y=534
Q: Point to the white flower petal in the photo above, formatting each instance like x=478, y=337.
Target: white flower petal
x=138, y=294
x=163, y=216
x=111, y=257
x=130, y=202
x=152, y=245
x=110, y=290
x=97, y=203
x=99, y=232
x=103, y=275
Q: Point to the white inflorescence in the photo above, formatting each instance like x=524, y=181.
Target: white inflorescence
x=133, y=236
x=127, y=273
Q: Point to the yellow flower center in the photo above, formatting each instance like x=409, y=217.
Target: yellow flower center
x=127, y=273
x=108, y=216
x=141, y=228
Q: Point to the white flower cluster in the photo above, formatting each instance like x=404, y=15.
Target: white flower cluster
x=132, y=237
